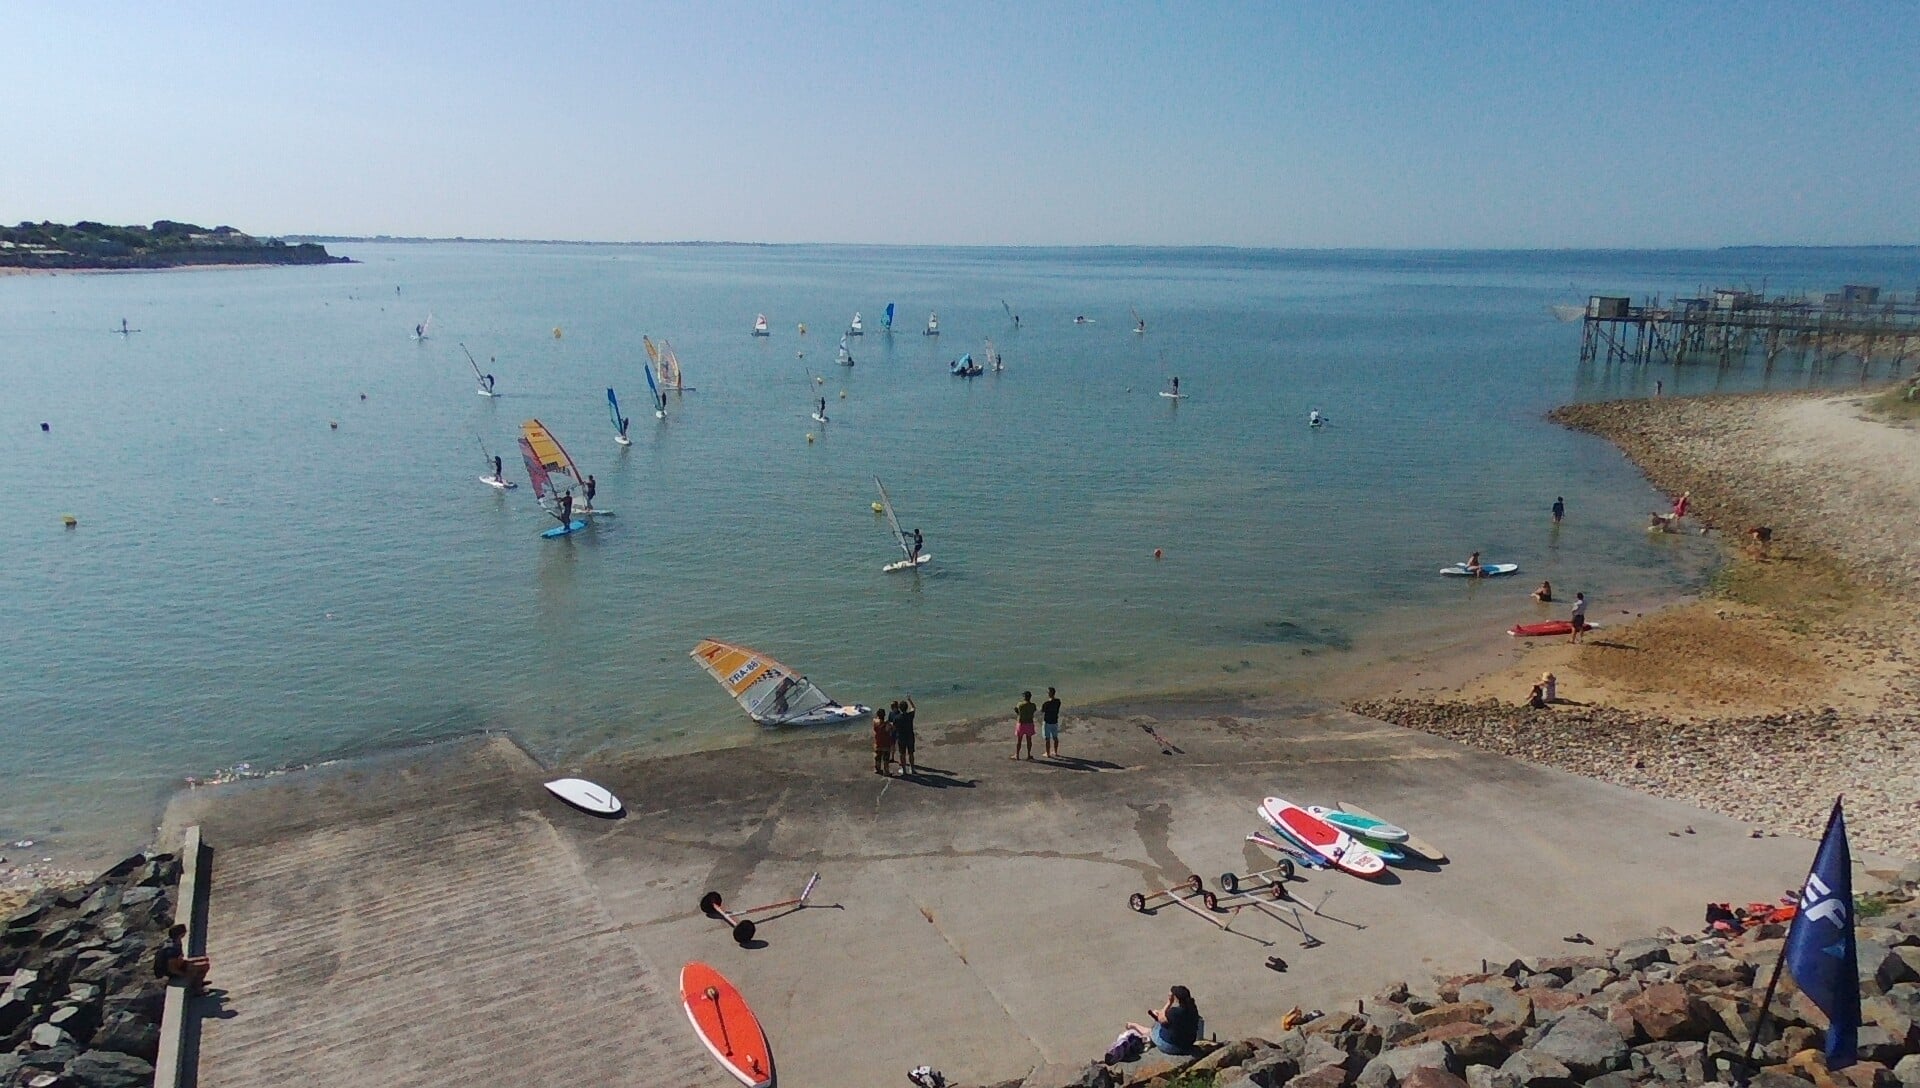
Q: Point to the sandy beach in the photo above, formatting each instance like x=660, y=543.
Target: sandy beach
x=1803, y=654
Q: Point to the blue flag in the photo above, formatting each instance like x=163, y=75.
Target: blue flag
x=1820, y=950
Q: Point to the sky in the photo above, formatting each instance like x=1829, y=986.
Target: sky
x=1285, y=124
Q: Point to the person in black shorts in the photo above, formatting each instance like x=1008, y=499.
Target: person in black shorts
x=1050, y=726
x=903, y=736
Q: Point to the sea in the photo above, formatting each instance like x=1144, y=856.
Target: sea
x=282, y=553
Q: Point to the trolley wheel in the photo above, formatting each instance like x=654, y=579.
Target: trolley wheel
x=710, y=904
x=1285, y=869
x=1229, y=883
x=1137, y=902
x=1209, y=900
x=1194, y=883
x=743, y=932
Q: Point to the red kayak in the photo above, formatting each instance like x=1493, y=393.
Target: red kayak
x=1551, y=627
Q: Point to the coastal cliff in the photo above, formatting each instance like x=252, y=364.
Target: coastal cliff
x=165, y=244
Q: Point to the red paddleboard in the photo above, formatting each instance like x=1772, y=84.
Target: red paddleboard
x=1322, y=838
x=1550, y=627
x=726, y=1025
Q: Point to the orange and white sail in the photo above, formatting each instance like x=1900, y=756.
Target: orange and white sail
x=669, y=365
x=768, y=691
x=545, y=450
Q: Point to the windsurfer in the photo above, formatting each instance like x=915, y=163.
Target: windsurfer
x=1176, y=387
x=489, y=380
x=1140, y=324
x=591, y=488
x=566, y=509
x=823, y=409
x=1314, y=418
x=919, y=542
x=499, y=474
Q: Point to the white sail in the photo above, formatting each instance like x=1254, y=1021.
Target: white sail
x=855, y=329
x=886, y=507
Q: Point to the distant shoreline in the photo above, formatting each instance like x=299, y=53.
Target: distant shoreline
x=696, y=243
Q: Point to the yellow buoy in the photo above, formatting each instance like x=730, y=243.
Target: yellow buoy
x=878, y=509
x=556, y=332
x=843, y=394
x=69, y=520
x=803, y=328
x=809, y=436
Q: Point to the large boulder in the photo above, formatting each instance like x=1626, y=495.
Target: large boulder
x=1503, y=1002
x=1472, y=1044
x=1267, y=1068
x=1907, y=1071
x=1404, y=1060
x=1587, y=1045
x=1452, y=1013
x=1428, y=1076
x=1666, y=1013
x=1486, y=1076
x=1532, y=1069
x=129, y=1032
x=1329, y=1075
x=108, y=1069
x=1635, y=955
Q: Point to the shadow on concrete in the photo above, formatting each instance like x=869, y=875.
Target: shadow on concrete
x=1074, y=763
x=935, y=778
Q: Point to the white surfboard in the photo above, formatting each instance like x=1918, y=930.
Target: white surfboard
x=902, y=564
x=486, y=392
x=498, y=485
x=585, y=796
x=1173, y=396
x=623, y=440
x=818, y=418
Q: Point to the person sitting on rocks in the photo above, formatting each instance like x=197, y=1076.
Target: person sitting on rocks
x=1176, y=1025
x=1762, y=537
x=1537, y=698
x=173, y=963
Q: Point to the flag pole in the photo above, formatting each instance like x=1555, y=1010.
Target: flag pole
x=1773, y=980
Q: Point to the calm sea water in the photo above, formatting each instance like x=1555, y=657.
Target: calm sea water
x=248, y=584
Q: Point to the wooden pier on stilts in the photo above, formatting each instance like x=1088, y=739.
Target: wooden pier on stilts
x=1729, y=325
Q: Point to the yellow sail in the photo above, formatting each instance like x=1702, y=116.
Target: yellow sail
x=768, y=691
x=551, y=454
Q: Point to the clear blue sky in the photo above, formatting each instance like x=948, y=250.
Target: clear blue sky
x=1282, y=124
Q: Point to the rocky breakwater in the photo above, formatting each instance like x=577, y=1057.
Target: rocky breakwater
x=79, y=1001
x=1668, y=1010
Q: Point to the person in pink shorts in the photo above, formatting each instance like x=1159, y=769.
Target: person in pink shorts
x=1023, y=731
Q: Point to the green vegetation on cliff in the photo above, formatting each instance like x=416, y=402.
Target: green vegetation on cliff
x=165, y=244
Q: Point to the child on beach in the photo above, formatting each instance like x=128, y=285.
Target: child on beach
x=882, y=742
x=1023, y=727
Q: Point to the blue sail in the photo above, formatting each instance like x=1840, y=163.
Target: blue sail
x=613, y=407
x=889, y=315
x=659, y=398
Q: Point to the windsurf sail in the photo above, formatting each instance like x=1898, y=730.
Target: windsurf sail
x=485, y=385
x=889, y=321
x=544, y=452
x=659, y=398
x=993, y=357
x=652, y=352
x=855, y=328
x=613, y=408
x=542, y=483
x=768, y=691
x=760, y=325
x=1004, y=306
x=845, y=357
x=886, y=507
x=423, y=329
x=669, y=366
x=933, y=324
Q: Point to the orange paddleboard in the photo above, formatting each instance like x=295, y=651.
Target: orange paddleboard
x=722, y=1020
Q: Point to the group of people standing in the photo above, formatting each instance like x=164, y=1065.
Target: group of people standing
x=893, y=738
x=1049, y=712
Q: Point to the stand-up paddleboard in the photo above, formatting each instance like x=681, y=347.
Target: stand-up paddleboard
x=1549, y=627
x=568, y=529
x=902, y=564
x=498, y=485
x=1414, y=845
x=489, y=393
x=585, y=796
x=726, y=1025
x=591, y=512
x=1173, y=396
x=1284, y=847
x=1487, y=570
x=1322, y=837
x=818, y=418
x=1362, y=826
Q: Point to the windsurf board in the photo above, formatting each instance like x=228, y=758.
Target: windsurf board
x=726, y=1025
